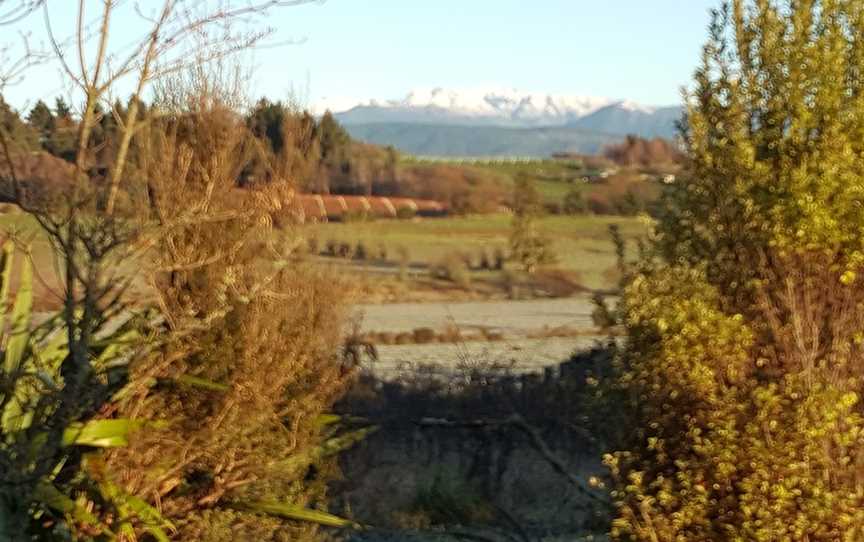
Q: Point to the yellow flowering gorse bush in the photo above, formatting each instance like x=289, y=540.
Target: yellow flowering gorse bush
x=742, y=363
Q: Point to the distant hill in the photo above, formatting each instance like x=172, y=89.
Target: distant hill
x=460, y=140
x=497, y=122
x=492, y=106
x=618, y=120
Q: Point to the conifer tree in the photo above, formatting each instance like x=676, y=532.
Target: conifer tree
x=63, y=138
x=41, y=119
x=61, y=109
x=19, y=134
x=266, y=122
x=336, y=155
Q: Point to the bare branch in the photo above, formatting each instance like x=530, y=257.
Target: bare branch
x=13, y=68
x=16, y=11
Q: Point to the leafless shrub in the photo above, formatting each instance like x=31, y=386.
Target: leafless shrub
x=454, y=269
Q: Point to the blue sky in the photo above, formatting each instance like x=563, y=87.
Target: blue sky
x=642, y=50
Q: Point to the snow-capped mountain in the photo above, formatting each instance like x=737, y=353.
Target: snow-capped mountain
x=483, y=122
x=504, y=107
x=498, y=106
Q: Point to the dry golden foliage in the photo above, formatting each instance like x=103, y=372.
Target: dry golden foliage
x=242, y=314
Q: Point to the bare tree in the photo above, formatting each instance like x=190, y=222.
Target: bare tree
x=175, y=31
x=12, y=11
x=82, y=222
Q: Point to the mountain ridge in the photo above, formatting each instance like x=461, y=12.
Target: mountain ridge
x=421, y=121
x=484, y=106
x=475, y=141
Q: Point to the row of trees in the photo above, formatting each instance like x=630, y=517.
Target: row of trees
x=636, y=151
x=290, y=142
x=318, y=154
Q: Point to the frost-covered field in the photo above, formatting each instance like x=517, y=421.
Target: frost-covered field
x=518, y=322
x=511, y=318
x=525, y=355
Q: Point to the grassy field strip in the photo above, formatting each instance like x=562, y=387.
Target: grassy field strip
x=554, y=178
x=582, y=243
